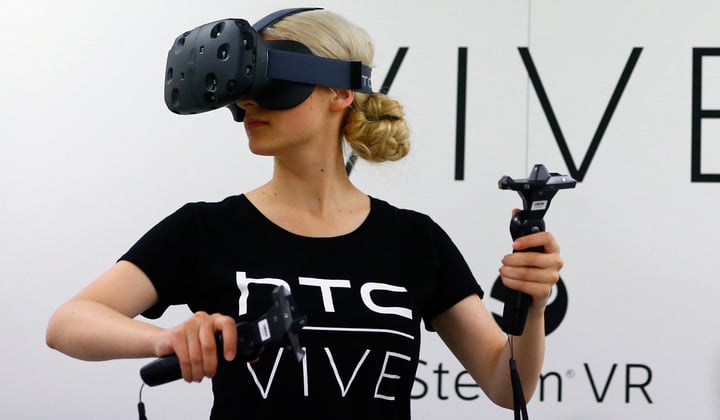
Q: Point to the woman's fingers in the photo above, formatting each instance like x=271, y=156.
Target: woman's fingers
x=531, y=272
x=195, y=345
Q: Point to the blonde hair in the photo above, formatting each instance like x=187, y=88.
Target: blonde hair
x=375, y=126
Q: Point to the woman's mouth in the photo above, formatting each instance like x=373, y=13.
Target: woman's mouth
x=253, y=123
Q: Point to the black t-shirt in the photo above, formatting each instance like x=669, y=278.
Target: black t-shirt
x=364, y=295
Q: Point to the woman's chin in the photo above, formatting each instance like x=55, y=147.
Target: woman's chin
x=260, y=151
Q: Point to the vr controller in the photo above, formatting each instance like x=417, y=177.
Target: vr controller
x=279, y=325
x=536, y=192
x=219, y=63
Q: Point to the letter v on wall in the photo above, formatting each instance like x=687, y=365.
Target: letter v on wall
x=575, y=172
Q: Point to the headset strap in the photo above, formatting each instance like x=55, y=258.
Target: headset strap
x=311, y=69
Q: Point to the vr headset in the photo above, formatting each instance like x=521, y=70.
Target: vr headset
x=222, y=62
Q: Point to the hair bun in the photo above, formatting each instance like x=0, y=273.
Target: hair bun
x=376, y=128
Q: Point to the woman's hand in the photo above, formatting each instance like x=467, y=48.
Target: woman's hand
x=193, y=342
x=533, y=273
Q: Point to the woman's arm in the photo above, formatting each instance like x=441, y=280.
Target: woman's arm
x=98, y=324
x=477, y=341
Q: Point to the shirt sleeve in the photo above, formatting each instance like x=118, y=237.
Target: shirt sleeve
x=167, y=254
x=454, y=280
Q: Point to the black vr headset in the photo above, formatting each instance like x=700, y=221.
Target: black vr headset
x=219, y=63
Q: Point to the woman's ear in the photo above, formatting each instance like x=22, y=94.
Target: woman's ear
x=341, y=99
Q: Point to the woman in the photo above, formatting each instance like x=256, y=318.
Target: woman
x=364, y=272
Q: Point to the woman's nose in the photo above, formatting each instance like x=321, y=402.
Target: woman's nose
x=246, y=103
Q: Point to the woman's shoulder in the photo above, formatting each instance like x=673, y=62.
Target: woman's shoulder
x=229, y=207
x=230, y=203
x=400, y=216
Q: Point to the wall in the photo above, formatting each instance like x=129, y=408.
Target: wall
x=90, y=159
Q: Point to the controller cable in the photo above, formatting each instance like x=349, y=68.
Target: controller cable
x=519, y=405
x=141, y=405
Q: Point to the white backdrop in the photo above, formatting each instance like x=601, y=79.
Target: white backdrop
x=90, y=159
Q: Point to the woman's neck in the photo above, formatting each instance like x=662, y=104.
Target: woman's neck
x=316, y=200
